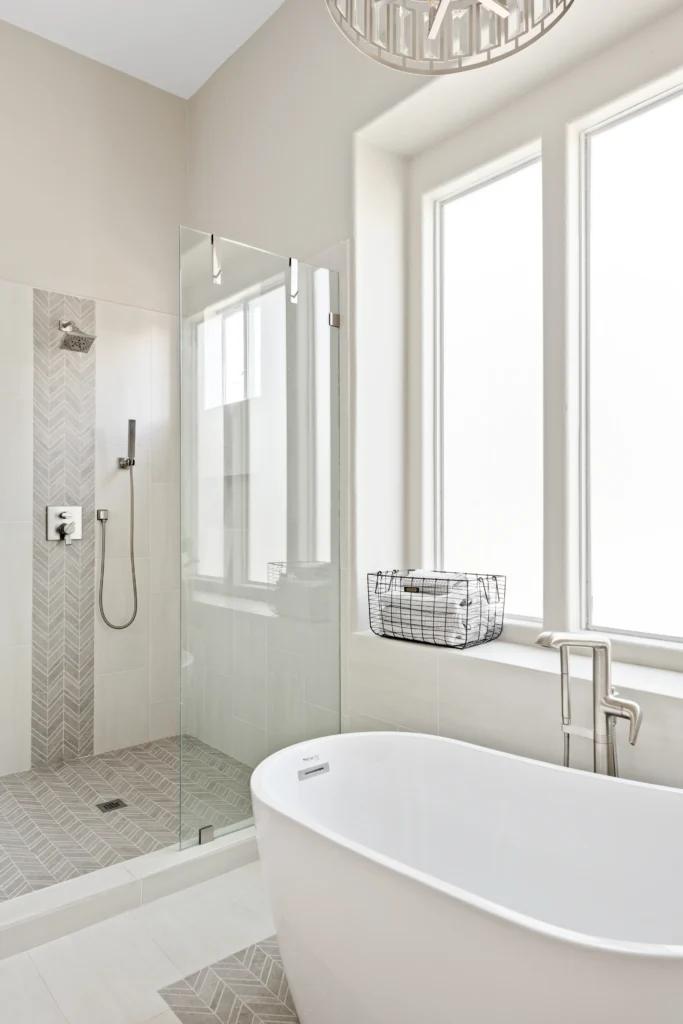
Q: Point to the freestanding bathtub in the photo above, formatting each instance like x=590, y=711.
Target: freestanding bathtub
x=426, y=881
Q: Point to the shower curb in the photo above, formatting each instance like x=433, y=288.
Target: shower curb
x=50, y=913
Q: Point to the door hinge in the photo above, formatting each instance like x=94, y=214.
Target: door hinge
x=335, y=320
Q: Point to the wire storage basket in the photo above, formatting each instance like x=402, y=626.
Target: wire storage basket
x=449, y=609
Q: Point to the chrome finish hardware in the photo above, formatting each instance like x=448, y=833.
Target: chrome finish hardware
x=293, y=280
x=322, y=768
x=216, y=268
x=130, y=460
x=102, y=515
x=335, y=320
x=64, y=522
x=207, y=834
x=607, y=704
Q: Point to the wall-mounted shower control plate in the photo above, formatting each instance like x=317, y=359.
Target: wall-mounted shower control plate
x=59, y=516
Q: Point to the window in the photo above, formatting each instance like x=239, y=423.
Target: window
x=490, y=392
x=634, y=373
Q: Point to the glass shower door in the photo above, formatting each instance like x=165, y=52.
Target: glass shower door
x=260, y=511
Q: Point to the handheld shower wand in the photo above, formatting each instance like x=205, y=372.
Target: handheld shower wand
x=103, y=516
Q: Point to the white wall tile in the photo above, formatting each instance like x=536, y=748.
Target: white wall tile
x=16, y=457
x=165, y=645
x=122, y=710
x=16, y=561
x=286, y=721
x=250, y=744
x=217, y=723
x=127, y=649
x=123, y=372
x=16, y=341
x=394, y=681
x=515, y=709
x=164, y=719
x=15, y=702
x=320, y=722
x=364, y=723
x=323, y=678
x=249, y=668
x=165, y=399
x=112, y=491
x=165, y=537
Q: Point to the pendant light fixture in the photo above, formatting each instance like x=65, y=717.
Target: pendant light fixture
x=442, y=37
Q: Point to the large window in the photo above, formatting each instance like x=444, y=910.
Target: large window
x=490, y=387
x=634, y=373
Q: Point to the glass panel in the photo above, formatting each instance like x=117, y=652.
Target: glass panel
x=493, y=385
x=635, y=324
x=489, y=29
x=260, y=601
x=404, y=28
x=358, y=15
x=380, y=25
x=430, y=49
x=461, y=44
x=516, y=22
x=541, y=8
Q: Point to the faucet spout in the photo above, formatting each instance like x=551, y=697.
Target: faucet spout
x=619, y=707
x=607, y=704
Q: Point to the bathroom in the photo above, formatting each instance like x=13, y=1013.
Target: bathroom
x=186, y=182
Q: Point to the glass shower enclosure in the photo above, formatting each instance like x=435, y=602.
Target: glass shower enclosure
x=259, y=518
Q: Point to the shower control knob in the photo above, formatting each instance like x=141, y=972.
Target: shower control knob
x=66, y=529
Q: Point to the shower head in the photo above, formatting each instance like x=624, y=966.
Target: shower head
x=75, y=340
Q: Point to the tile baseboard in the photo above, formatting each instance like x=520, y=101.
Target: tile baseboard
x=39, y=917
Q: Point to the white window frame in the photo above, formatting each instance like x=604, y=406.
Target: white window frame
x=562, y=147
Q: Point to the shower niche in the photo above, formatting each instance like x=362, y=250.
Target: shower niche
x=260, y=663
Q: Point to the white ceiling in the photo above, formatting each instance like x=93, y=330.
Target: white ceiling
x=451, y=103
x=173, y=44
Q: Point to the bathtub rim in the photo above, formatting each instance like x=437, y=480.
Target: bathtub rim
x=660, y=951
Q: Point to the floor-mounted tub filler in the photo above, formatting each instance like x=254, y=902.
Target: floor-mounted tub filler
x=419, y=879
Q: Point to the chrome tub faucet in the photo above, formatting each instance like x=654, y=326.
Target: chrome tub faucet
x=607, y=704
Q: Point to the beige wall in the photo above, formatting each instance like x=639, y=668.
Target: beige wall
x=271, y=133
x=92, y=176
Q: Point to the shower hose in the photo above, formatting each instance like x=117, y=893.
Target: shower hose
x=131, y=620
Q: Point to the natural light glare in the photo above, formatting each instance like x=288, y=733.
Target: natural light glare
x=636, y=371
x=492, y=269
x=233, y=364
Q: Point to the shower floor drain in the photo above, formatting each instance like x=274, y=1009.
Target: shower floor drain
x=111, y=805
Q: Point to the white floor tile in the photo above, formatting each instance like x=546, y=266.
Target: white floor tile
x=107, y=974
x=201, y=925
x=24, y=997
x=246, y=886
x=166, y=1018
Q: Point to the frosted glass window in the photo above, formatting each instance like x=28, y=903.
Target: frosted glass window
x=210, y=482
x=635, y=373
x=267, y=445
x=492, y=381
x=234, y=370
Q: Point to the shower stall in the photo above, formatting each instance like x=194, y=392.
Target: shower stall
x=169, y=556
x=259, y=517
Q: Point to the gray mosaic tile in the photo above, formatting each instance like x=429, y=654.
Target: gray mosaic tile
x=247, y=988
x=51, y=829
x=63, y=577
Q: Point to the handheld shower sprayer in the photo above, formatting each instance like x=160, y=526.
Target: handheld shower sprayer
x=103, y=516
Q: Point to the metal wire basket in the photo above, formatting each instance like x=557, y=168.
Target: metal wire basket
x=448, y=609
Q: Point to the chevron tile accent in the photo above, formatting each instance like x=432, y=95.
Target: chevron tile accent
x=62, y=724
x=247, y=988
x=51, y=829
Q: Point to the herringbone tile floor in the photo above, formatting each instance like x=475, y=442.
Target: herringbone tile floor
x=51, y=828
x=248, y=986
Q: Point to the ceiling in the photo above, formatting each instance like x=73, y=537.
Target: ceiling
x=450, y=103
x=173, y=44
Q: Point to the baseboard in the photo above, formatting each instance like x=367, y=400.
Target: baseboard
x=38, y=917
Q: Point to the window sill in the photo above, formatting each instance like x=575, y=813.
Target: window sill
x=639, y=678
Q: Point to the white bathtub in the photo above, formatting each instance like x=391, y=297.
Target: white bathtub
x=427, y=881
